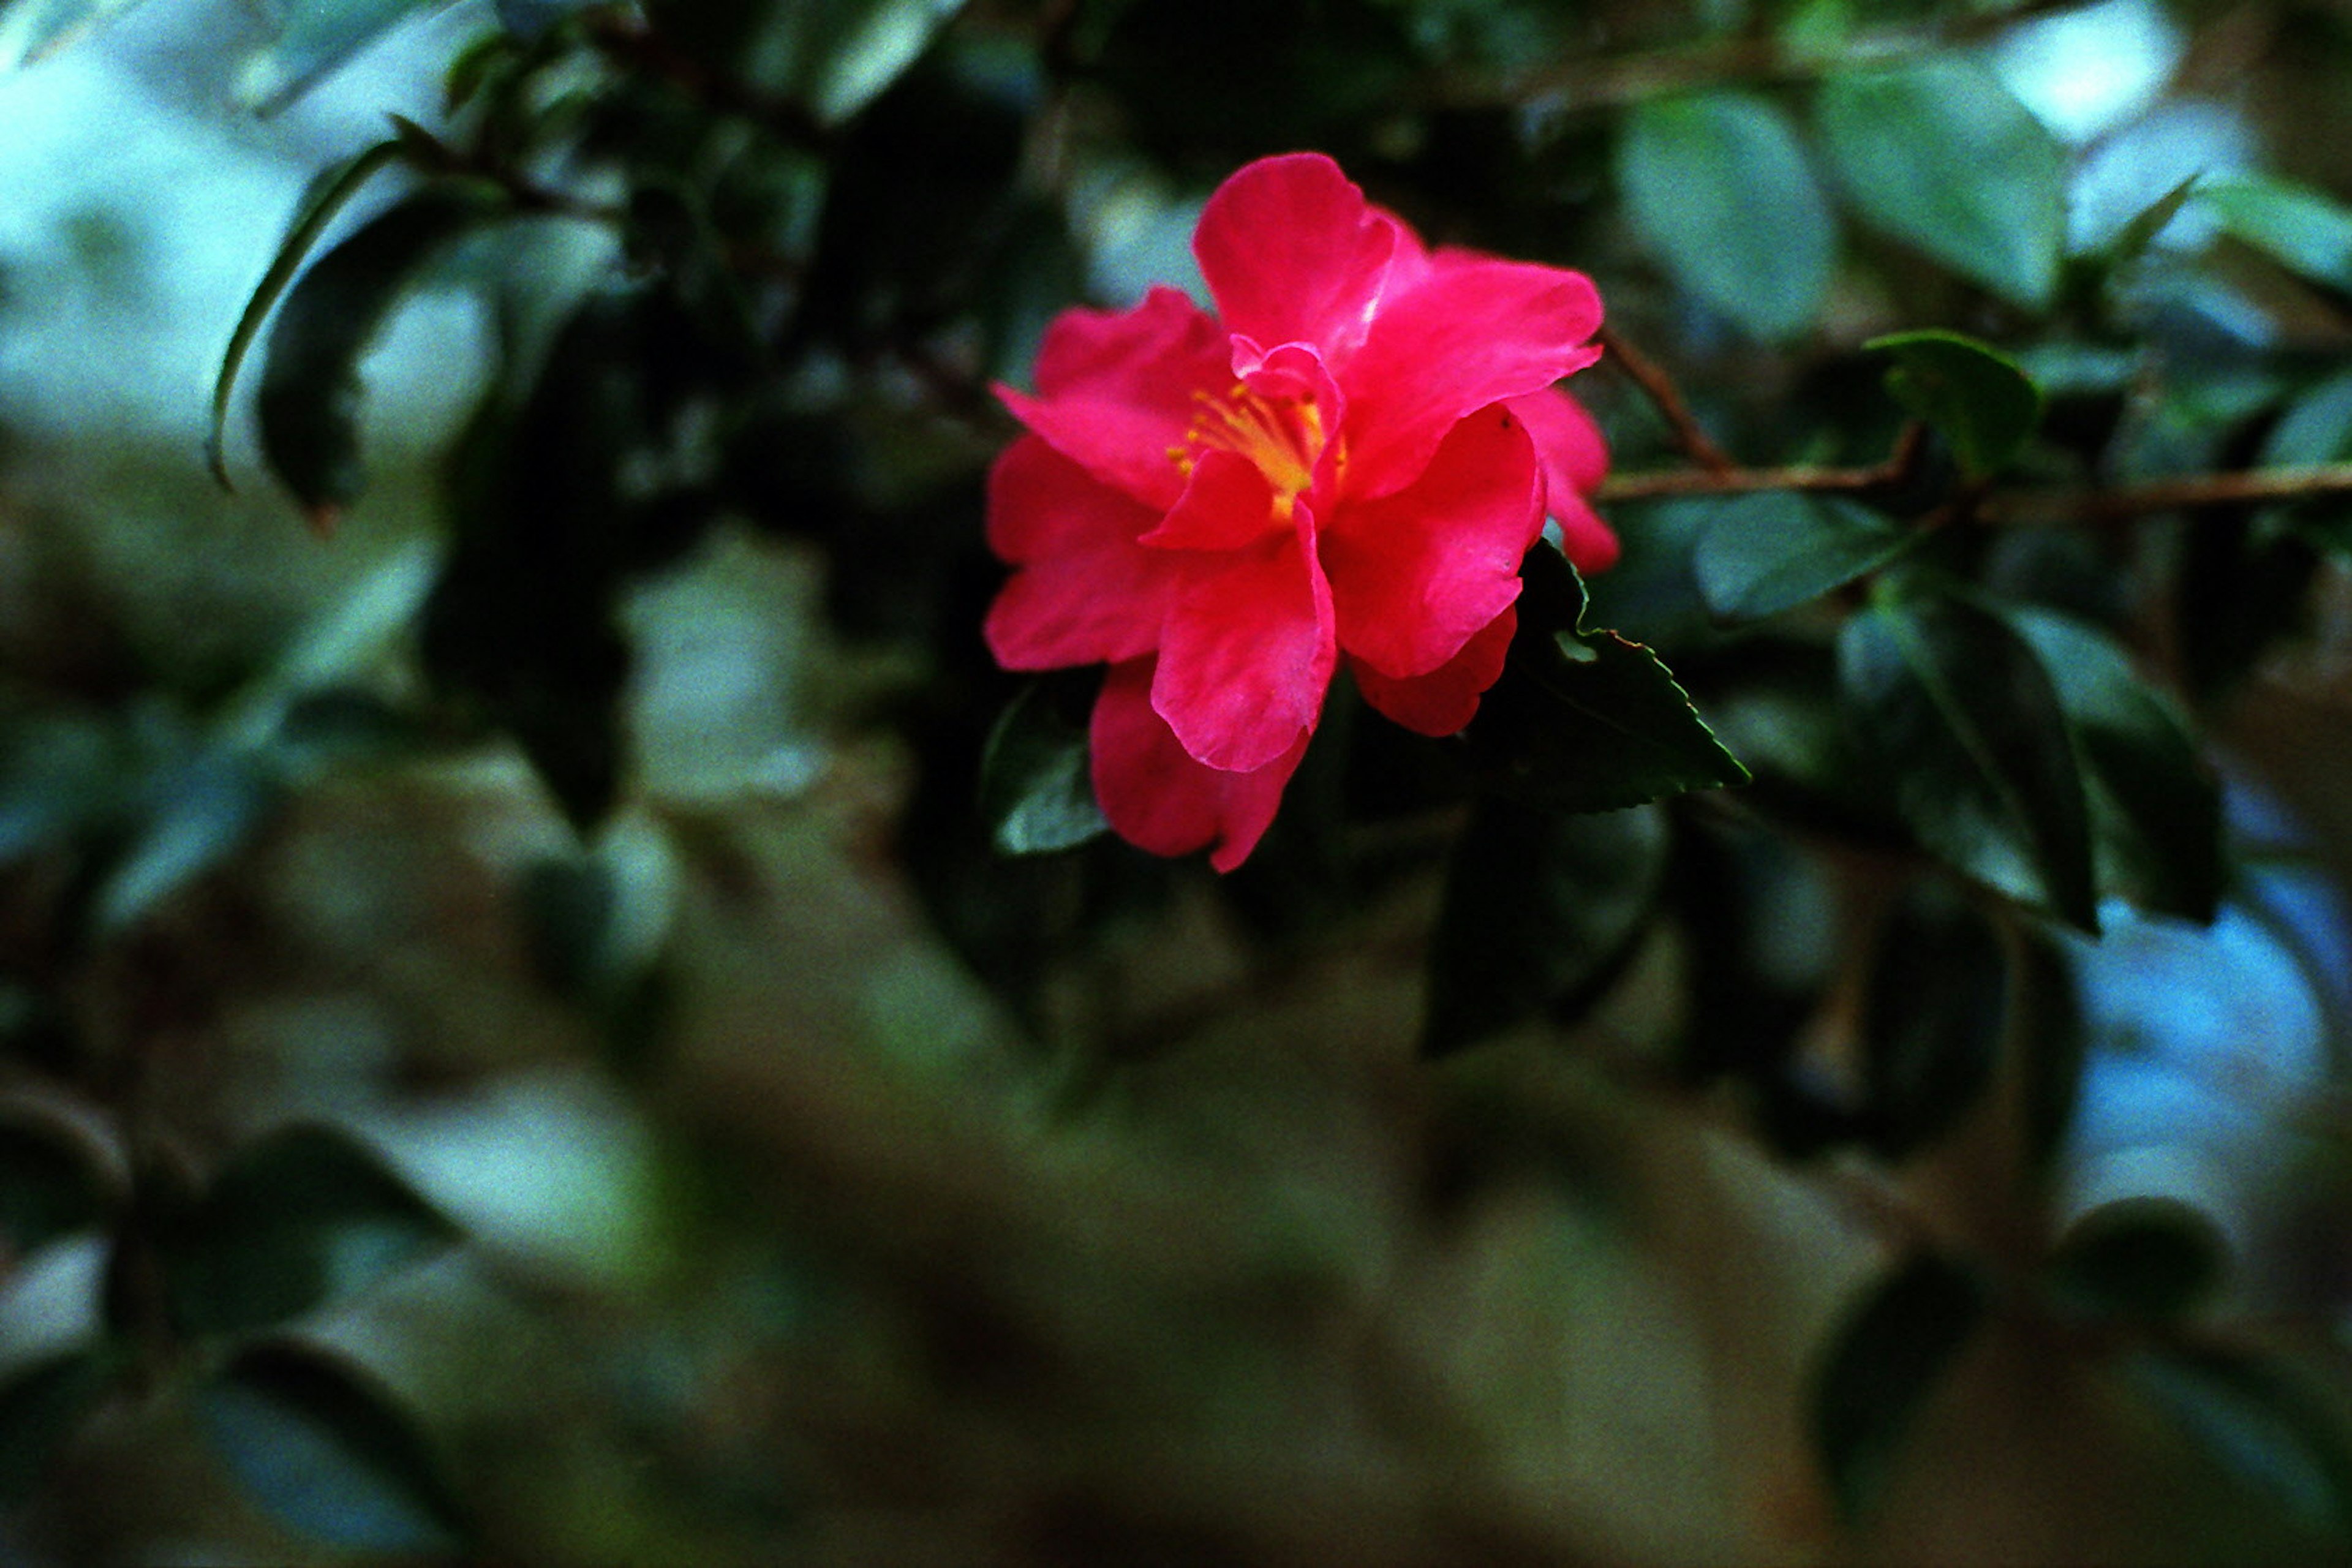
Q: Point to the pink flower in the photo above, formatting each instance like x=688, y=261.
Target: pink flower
x=1349, y=461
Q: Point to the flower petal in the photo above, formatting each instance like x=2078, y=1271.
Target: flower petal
x=1246, y=652
x=1294, y=253
x=1115, y=390
x=1415, y=574
x=1083, y=590
x=1568, y=442
x=1575, y=460
x=1227, y=505
x=1444, y=701
x=1474, y=331
x=1157, y=797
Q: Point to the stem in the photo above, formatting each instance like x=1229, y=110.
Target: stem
x=1660, y=389
x=2299, y=482
x=1730, y=481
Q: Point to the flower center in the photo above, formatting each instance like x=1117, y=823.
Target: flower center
x=1282, y=436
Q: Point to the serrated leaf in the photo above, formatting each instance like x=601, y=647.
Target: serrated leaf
x=1932, y=1020
x=2307, y=231
x=323, y=1448
x=303, y=1218
x=1036, y=791
x=40, y=1407
x=2141, y=1257
x=311, y=393
x=1585, y=720
x=1962, y=723
x=1977, y=397
x=1539, y=907
x=1776, y=550
x=334, y=192
x=51, y=1183
x=2158, y=802
x=1942, y=154
x=1883, y=1363
x=1720, y=185
x=2257, y=1423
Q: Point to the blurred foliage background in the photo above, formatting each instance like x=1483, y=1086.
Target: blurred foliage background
x=554, y=1007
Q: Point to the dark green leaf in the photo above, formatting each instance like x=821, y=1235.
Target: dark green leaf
x=334, y=192
x=1718, y=184
x=1771, y=552
x=1036, y=791
x=310, y=389
x=2305, y=231
x=2257, y=1422
x=40, y=1407
x=2239, y=589
x=1962, y=724
x=1943, y=155
x=1883, y=1363
x=2047, y=1044
x=1975, y=396
x=1931, y=1021
x=324, y=1449
x=52, y=1183
x=2142, y=1258
x=1586, y=720
x=1539, y=907
x=2157, y=802
x=300, y=1220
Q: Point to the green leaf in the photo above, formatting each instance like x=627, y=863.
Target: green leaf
x=1036, y=791
x=1771, y=552
x=2307, y=231
x=1538, y=909
x=303, y=1218
x=1884, y=1361
x=2317, y=428
x=1719, y=186
x=1587, y=721
x=2239, y=590
x=324, y=1449
x=2133, y=240
x=2140, y=1258
x=310, y=389
x=32, y=29
x=1962, y=723
x=1932, y=1020
x=2156, y=801
x=52, y=1183
x=41, y=1406
x=2255, y=1420
x=1941, y=154
x=334, y=192
x=2047, y=1042
x=1978, y=399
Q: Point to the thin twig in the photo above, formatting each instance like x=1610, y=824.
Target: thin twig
x=2299, y=482
x=1660, y=389
x=1731, y=480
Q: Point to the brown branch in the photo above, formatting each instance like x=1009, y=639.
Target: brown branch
x=1730, y=481
x=2300, y=482
x=1660, y=389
